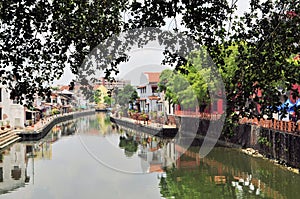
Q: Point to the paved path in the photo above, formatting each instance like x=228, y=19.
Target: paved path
x=150, y=123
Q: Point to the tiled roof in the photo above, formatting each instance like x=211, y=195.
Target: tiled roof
x=64, y=88
x=153, y=98
x=156, y=168
x=95, y=87
x=153, y=77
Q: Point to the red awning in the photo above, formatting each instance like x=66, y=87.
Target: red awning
x=154, y=98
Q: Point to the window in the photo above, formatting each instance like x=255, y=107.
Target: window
x=0, y=94
x=0, y=113
x=15, y=101
x=1, y=172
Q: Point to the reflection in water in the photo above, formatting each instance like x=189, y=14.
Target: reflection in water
x=225, y=173
x=128, y=144
x=13, y=163
x=59, y=168
x=14, y=160
x=96, y=125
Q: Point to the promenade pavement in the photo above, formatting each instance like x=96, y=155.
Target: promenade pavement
x=150, y=123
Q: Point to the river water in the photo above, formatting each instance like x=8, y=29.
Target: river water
x=90, y=158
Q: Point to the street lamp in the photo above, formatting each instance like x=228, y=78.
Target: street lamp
x=110, y=88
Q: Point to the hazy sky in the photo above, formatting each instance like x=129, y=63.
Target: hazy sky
x=141, y=60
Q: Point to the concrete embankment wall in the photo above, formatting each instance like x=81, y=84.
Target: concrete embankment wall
x=161, y=132
x=39, y=134
x=282, y=146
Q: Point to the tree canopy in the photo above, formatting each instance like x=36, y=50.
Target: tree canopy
x=38, y=39
x=126, y=96
x=188, y=86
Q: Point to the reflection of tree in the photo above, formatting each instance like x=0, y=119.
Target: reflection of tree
x=196, y=183
x=128, y=144
x=100, y=123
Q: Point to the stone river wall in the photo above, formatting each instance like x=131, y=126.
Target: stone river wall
x=272, y=143
x=40, y=133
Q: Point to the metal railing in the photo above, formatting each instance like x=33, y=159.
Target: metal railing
x=208, y=116
x=284, y=126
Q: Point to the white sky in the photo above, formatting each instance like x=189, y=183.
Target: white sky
x=141, y=60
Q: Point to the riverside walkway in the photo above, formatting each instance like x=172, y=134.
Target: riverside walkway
x=40, y=129
x=147, y=127
x=9, y=136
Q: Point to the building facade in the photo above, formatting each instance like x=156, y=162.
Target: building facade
x=10, y=110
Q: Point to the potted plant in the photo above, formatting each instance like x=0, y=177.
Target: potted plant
x=2, y=126
x=29, y=122
x=144, y=117
x=7, y=124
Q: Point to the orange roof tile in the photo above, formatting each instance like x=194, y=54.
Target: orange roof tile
x=153, y=77
x=64, y=88
x=95, y=87
x=156, y=168
x=153, y=98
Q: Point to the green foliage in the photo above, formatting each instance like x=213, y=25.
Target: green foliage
x=129, y=145
x=264, y=141
x=189, y=85
x=38, y=36
x=55, y=111
x=54, y=88
x=107, y=100
x=97, y=96
x=255, y=52
x=192, y=183
x=127, y=95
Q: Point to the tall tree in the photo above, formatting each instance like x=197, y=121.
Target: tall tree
x=38, y=39
x=126, y=95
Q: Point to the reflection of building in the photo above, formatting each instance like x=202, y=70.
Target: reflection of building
x=170, y=154
x=153, y=159
x=43, y=151
x=155, y=154
x=82, y=125
x=13, y=165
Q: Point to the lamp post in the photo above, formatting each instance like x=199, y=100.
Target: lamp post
x=110, y=89
x=163, y=106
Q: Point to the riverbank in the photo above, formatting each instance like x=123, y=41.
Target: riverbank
x=44, y=126
x=255, y=153
x=150, y=128
x=281, y=148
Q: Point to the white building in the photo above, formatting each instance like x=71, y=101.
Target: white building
x=147, y=91
x=150, y=99
x=10, y=110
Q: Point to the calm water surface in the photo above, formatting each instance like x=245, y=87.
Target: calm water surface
x=89, y=158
